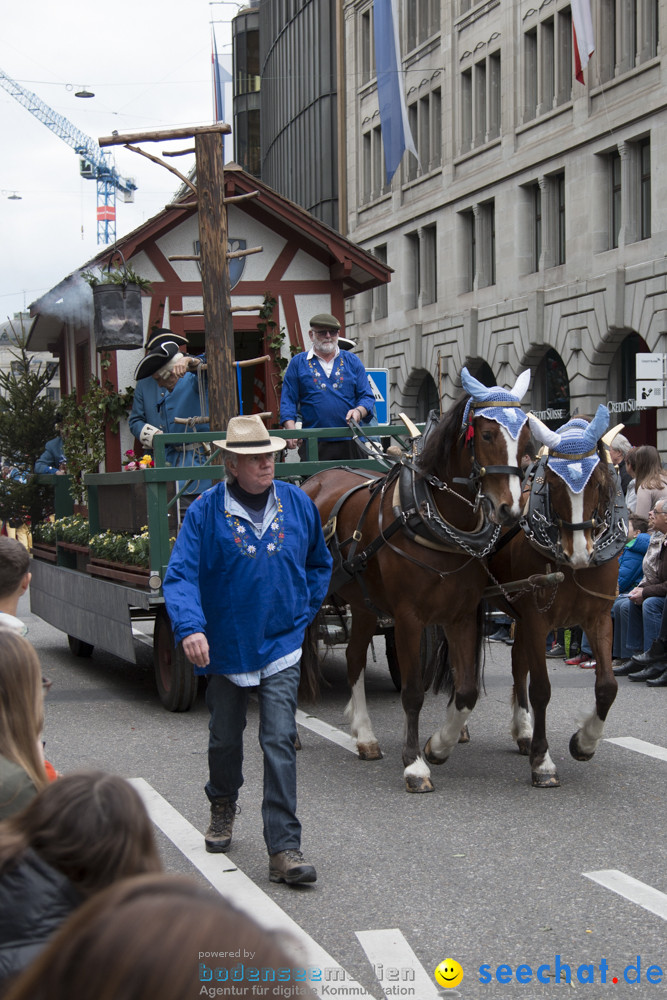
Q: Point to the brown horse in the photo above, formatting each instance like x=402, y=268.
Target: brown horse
x=457, y=492
x=579, y=530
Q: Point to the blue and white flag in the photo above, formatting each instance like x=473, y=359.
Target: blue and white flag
x=396, y=134
x=221, y=76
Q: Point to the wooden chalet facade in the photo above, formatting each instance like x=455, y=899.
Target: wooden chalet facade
x=304, y=266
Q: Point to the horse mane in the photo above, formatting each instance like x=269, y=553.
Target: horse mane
x=440, y=442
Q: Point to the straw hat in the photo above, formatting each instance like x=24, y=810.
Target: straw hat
x=249, y=436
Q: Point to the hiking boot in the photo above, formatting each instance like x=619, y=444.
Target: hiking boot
x=218, y=837
x=289, y=866
x=656, y=653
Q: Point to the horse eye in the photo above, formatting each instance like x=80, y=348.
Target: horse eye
x=487, y=436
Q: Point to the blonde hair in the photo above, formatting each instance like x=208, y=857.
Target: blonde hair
x=21, y=705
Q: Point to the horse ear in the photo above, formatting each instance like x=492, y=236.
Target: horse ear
x=597, y=426
x=472, y=386
x=542, y=433
x=521, y=385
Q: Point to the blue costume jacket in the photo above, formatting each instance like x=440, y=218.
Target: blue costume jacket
x=322, y=401
x=630, y=569
x=51, y=457
x=252, y=598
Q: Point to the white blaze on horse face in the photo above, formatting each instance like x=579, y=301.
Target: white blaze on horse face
x=512, y=446
x=581, y=546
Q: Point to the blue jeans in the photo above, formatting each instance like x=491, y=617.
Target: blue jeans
x=644, y=622
x=227, y=704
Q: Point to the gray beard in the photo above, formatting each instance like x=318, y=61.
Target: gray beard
x=326, y=348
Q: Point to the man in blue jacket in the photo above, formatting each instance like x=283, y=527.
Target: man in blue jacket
x=247, y=575
x=327, y=387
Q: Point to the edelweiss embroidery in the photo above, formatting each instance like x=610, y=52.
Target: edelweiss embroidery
x=248, y=543
x=336, y=374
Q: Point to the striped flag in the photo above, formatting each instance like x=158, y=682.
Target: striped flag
x=396, y=134
x=584, y=40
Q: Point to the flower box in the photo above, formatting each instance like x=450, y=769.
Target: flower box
x=40, y=550
x=121, y=572
x=80, y=554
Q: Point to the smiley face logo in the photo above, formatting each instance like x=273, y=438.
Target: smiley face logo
x=449, y=973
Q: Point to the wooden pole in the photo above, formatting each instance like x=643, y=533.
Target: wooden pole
x=213, y=238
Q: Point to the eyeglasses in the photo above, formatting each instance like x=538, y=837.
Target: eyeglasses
x=326, y=333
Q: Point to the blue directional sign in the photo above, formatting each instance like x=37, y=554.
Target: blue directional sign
x=379, y=381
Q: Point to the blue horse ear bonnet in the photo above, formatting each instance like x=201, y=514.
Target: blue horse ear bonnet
x=576, y=439
x=511, y=417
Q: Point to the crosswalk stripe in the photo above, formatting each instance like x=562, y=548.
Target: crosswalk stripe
x=316, y=725
x=640, y=746
x=388, y=950
x=240, y=890
x=631, y=888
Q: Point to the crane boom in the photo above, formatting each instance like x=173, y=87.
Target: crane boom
x=95, y=163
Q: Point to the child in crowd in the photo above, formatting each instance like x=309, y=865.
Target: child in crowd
x=143, y=939
x=14, y=581
x=22, y=772
x=76, y=837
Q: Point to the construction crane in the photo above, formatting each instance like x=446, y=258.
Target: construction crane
x=94, y=164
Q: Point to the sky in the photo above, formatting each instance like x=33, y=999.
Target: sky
x=149, y=65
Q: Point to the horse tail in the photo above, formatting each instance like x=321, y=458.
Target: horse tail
x=310, y=680
x=440, y=674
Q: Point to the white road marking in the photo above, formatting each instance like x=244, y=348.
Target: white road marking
x=394, y=963
x=141, y=636
x=640, y=746
x=631, y=888
x=240, y=890
x=316, y=725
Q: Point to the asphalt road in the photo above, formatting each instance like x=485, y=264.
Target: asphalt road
x=485, y=870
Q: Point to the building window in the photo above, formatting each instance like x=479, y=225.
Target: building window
x=468, y=244
x=487, y=243
x=480, y=103
x=422, y=267
x=644, y=189
x=547, y=70
x=373, y=170
x=536, y=198
x=627, y=35
x=425, y=118
x=367, y=45
x=614, y=198
x=422, y=21
x=380, y=302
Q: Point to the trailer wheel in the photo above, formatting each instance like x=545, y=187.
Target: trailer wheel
x=78, y=647
x=174, y=674
x=392, y=658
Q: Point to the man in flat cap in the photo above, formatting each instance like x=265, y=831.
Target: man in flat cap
x=327, y=387
x=154, y=406
x=247, y=575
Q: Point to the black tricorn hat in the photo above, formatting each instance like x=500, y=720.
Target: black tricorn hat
x=162, y=336
x=156, y=359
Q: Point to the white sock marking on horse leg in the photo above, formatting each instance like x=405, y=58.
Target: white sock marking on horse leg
x=418, y=769
x=522, y=724
x=444, y=739
x=357, y=712
x=546, y=767
x=590, y=733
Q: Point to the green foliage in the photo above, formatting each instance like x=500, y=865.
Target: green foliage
x=27, y=422
x=132, y=550
x=275, y=339
x=84, y=422
x=123, y=275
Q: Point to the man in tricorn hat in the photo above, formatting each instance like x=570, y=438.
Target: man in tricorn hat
x=153, y=406
x=247, y=575
x=327, y=387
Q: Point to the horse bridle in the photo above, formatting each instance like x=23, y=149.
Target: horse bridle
x=477, y=471
x=543, y=527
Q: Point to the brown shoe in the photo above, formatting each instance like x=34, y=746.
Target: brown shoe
x=289, y=866
x=218, y=837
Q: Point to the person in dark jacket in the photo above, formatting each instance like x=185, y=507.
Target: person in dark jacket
x=77, y=836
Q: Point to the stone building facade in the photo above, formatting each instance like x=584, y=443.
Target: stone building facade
x=532, y=232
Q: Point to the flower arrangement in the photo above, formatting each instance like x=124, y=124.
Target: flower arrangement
x=134, y=462
x=73, y=528
x=132, y=550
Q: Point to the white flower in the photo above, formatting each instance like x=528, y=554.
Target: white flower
x=252, y=549
x=241, y=530
x=271, y=547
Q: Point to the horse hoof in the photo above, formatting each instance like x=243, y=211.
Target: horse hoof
x=576, y=752
x=418, y=784
x=430, y=757
x=464, y=735
x=369, y=751
x=545, y=780
x=523, y=744
x=297, y=743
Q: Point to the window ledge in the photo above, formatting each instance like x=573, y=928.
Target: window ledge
x=422, y=177
x=471, y=153
x=545, y=117
x=628, y=74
